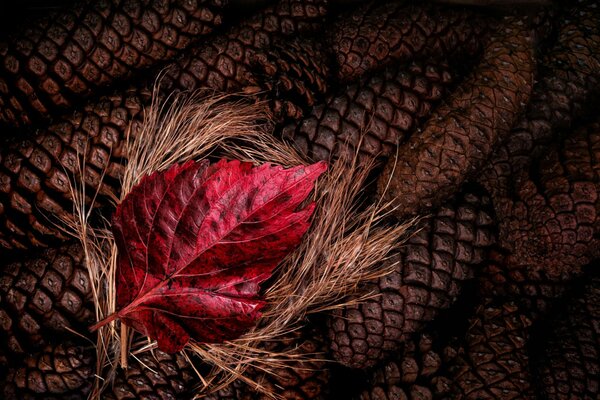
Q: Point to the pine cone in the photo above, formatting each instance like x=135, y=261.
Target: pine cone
x=301, y=380
x=156, y=376
x=569, y=77
x=570, y=364
x=462, y=133
x=65, y=56
x=492, y=361
x=45, y=292
x=292, y=72
x=550, y=229
x=413, y=375
x=430, y=271
x=373, y=115
x=35, y=174
x=58, y=372
x=292, y=76
x=378, y=33
x=290, y=17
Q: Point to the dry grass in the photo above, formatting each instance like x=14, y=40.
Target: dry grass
x=345, y=245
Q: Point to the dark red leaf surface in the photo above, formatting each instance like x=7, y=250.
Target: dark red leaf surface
x=196, y=241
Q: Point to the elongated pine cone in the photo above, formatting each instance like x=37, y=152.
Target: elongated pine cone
x=265, y=53
x=462, y=133
x=550, y=230
x=58, y=372
x=428, y=274
x=35, y=174
x=300, y=380
x=414, y=374
x=155, y=375
x=378, y=33
x=373, y=115
x=569, y=367
x=44, y=293
x=290, y=17
x=492, y=361
x=567, y=82
x=65, y=56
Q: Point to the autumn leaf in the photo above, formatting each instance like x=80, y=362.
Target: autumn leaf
x=196, y=241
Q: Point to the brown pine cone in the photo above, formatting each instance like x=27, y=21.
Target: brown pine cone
x=153, y=376
x=549, y=231
x=291, y=73
x=569, y=367
x=374, y=115
x=58, y=372
x=69, y=54
x=378, y=33
x=292, y=76
x=429, y=273
x=35, y=173
x=412, y=375
x=569, y=77
x=492, y=361
x=462, y=133
x=301, y=380
x=45, y=292
x=291, y=17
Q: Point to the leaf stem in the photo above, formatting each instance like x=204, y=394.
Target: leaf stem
x=103, y=322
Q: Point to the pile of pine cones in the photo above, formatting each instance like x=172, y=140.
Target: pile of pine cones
x=483, y=119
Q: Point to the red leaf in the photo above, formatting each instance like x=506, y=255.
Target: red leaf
x=196, y=241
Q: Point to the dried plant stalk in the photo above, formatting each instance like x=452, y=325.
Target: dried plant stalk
x=344, y=246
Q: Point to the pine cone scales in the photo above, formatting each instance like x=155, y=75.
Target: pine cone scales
x=428, y=277
x=569, y=367
x=252, y=58
x=415, y=374
x=462, y=133
x=492, y=362
x=35, y=174
x=63, y=57
x=569, y=77
x=549, y=231
x=377, y=34
x=58, y=372
x=373, y=115
x=46, y=292
x=156, y=376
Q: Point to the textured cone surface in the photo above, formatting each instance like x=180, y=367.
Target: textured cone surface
x=492, y=361
x=569, y=367
x=65, y=56
x=568, y=78
x=155, y=376
x=292, y=77
x=373, y=115
x=44, y=293
x=291, y=72
x=428, y=274
x=412, y=375
x=301, y=380
x=549, y=229
x=380, y=33
x=462, y=133
x=35, y=174
x=58, y=372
